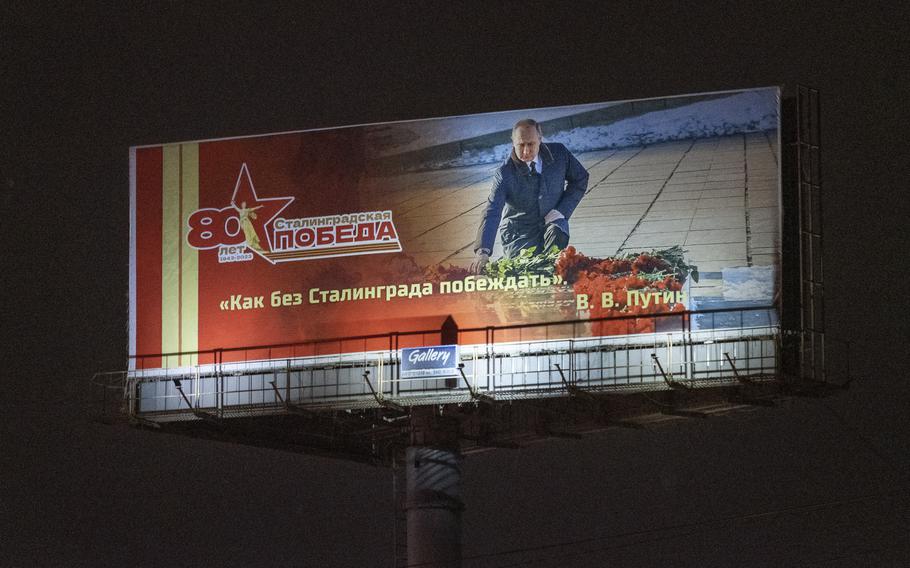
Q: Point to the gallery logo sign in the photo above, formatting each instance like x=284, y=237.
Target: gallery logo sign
x=252, y=225
x=436, y=361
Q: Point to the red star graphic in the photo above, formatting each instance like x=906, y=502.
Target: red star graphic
x=266, y=209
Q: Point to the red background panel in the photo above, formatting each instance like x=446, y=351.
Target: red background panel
x=148, y=254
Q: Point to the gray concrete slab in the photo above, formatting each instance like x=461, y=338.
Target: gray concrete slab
x=716, y=197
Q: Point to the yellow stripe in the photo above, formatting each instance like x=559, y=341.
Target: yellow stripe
x=170, y=254
x=189, y=291
x=180, y=262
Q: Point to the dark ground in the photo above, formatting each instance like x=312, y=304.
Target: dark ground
x=811, y=482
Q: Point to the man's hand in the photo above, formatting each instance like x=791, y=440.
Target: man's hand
x=481, y=258
x=553, y=215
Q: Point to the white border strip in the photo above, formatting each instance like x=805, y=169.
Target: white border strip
x=779, y=261
x=132, y=299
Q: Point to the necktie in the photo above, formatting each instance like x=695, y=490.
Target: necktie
x=533, y=167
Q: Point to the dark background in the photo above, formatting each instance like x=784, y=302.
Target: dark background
x=811, y=482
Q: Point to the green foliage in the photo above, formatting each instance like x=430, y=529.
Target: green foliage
x=674, y=256
x=526, y=263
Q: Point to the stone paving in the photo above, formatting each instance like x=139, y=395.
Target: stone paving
x=716, y=197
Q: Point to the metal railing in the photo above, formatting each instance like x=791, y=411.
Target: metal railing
x=519, y=361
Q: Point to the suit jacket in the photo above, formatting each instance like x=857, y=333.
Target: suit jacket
x=562, y=185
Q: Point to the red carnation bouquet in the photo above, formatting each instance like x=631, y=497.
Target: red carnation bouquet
x=642, y=283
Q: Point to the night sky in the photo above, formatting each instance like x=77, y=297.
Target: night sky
x=810, y=482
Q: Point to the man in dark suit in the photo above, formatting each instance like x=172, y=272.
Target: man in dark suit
x=534, y=193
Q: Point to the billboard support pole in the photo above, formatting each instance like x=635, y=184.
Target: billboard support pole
x=433, y=503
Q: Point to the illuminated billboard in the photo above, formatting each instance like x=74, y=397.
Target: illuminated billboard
x=593, y=212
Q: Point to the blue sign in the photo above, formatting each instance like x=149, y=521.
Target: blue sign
x=421, y=362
